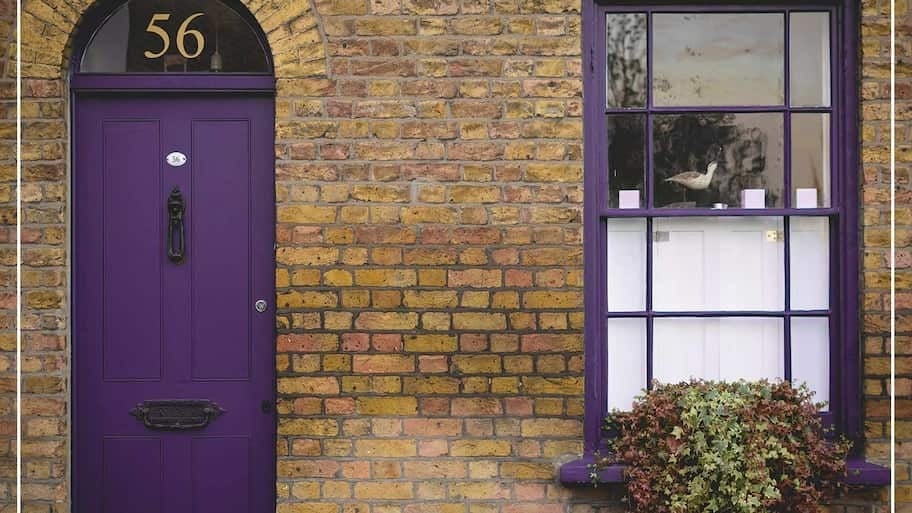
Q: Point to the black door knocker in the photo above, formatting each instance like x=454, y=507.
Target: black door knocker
x=176, y=224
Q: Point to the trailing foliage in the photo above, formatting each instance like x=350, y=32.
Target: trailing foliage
x=738, y=447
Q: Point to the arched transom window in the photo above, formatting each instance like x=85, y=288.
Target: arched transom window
x=175, y=36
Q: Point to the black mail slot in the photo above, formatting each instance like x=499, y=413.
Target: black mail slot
x=176, y=413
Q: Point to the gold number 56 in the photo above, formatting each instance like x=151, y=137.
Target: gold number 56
x=182, y=32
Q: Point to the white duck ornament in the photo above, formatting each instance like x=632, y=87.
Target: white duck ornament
x=694, y=180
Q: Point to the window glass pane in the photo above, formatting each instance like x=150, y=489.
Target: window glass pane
x=155, y=36
x=810, y=340
x=718, y=263
x=626, y=160
x=810, y=160
x=625, y=40
x=626, y=361
x=726, y=349
x=626, y=265
x=718, y=59
x=718, y=160
x=809, y=263
x=809, y=59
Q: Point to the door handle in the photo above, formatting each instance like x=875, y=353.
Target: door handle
x=176, y=226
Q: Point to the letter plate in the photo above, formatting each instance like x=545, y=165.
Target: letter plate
x=176, y=414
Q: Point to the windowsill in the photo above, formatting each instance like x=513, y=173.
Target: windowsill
x=858, y=473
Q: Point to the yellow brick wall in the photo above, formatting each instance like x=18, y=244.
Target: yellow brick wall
x=429, y=263
x=7, y=256
x=875, y=219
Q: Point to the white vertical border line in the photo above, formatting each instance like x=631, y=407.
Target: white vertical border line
x=892, y=255
x=18, y=256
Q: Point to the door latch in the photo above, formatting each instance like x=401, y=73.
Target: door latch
x=266, y=406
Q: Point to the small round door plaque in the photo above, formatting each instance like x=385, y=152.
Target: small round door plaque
x=176, y=159
x=260, y=305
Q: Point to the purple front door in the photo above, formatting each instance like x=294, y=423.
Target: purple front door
x=149, y=325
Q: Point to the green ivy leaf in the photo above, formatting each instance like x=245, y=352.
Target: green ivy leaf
x=738, y=447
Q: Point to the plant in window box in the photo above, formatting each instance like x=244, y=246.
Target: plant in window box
x=735, y=447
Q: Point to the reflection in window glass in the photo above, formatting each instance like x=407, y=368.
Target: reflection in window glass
x=625, y=37
x=626, y=361
x=626, y=160
x=728, y=348
x=810, y=341
x=159, y=36
x=809, y=265
x=626, y=265
x=718, y=263
x=718, y=59
x=809, y=59
x=718, y=160
x=810, y=160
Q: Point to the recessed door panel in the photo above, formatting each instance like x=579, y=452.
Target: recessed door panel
x=133, y=475
x=218, y=463
x=132, y=234
x=221, y=234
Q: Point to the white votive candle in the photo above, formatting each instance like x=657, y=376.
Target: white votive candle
x=629, y=198
x=753, y=198
x=806, y=198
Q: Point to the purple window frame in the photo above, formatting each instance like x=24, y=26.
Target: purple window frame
x=845, y=357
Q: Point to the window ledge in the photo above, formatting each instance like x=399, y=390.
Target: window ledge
x=863, y=473
x=858, y=473
x=576, y=472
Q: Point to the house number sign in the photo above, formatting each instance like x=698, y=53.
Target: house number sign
x=176, y=159
x=183, y=32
